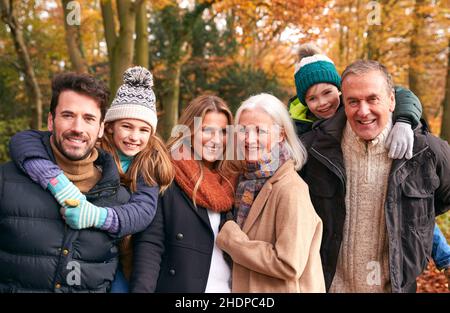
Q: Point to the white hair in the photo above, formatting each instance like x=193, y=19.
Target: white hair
x=279, y=114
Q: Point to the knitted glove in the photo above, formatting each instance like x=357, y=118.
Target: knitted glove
x=80, y=214
x=62, y=189
x=400, y=141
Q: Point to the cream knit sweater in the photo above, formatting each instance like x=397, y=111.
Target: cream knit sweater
x=363, y=262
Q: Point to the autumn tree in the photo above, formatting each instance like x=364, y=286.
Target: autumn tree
x=427, y=70
x=416, y=68
x=141, y=42
x=264, y=25
x=10, y=17
x=445, y=129
x=397, y=34
x=72, y=16
x=173, y=27
x=120, y=36
x=214, y=67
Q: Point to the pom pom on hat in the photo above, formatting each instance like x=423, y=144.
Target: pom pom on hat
x=138, y=77
x=135, y=98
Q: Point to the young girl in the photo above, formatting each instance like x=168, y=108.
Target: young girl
x=140, y=156
x=177, y=252
x=318, y=97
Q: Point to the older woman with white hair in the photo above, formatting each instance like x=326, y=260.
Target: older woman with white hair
x=275, y=240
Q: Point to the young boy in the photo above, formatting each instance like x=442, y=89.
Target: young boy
x=318, y=97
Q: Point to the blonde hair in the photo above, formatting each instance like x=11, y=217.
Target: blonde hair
x=199, y=107
x=152, y=163
x=277, y=111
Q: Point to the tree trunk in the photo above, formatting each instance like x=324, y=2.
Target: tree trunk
x=372, y=40
x=342, y=43
x=179, y=54
x=124, y=48
x=445, y=128
x=361, y=27
x=73, y=40
x=170, y=100
x=121, y=45
x=142, y=51
x=35, y=97
x=414, y=72
x=109, y=26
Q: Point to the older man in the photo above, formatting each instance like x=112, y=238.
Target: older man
x=38, y=251
x=378, y=213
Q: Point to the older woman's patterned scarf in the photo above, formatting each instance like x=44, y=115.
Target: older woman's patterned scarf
x=253, y=179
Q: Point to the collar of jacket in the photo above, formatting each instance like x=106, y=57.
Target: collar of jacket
x=299, y=111
x=263, y=195
x=110, y=175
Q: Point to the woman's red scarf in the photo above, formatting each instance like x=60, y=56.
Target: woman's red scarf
x=214, y=192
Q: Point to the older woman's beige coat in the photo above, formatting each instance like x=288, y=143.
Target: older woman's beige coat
x=278, y=248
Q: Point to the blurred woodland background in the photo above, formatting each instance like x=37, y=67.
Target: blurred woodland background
x=231, y=48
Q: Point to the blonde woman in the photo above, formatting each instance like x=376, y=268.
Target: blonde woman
x=177, y=252
x=275, y=240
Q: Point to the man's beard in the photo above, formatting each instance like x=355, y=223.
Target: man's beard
x=64, y=153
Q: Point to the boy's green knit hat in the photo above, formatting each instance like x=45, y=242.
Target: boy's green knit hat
x=314, y=70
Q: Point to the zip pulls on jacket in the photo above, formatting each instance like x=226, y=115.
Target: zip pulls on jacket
x=404, y=161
